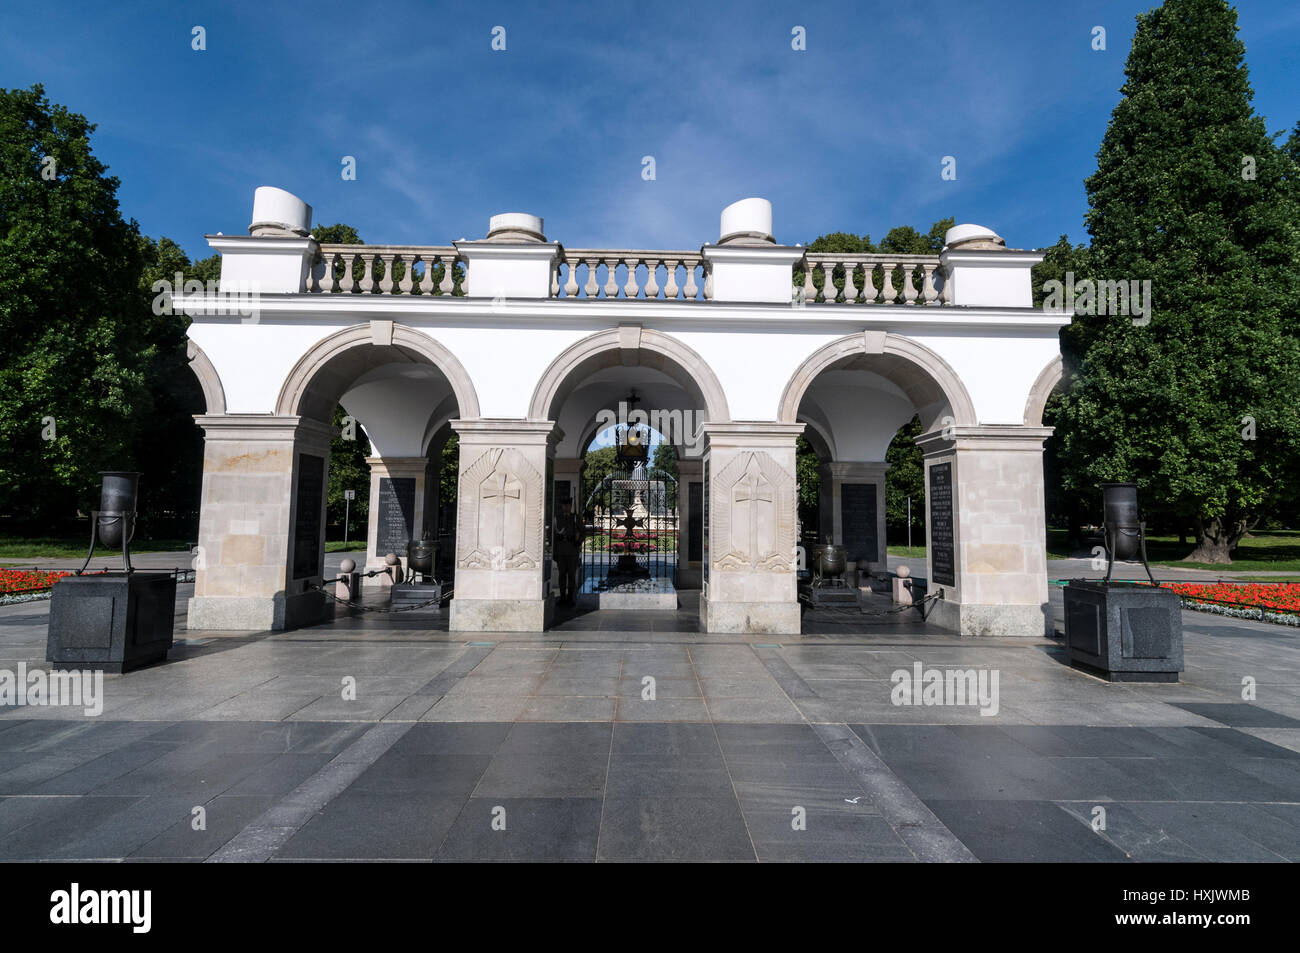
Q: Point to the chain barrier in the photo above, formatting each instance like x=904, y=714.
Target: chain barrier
x=859, y=613
x=444, y=594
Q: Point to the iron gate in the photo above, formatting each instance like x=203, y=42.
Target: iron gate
x=631, y=521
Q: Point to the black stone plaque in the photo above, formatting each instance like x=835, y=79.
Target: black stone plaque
x=396, y=515
x=858, y=522
x=307, y=520
x=943, y=564
x=704, y=531
x=695, y=521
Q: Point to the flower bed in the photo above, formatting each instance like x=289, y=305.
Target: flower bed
x=24, y=585
x=1268, y=602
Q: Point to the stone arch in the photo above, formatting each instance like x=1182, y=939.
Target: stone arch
x=629, y=345
x=345, y=355
x=901, y=359
x=214, y=395
x=1044, y=384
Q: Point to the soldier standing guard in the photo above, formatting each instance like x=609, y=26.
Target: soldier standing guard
x=569, y=532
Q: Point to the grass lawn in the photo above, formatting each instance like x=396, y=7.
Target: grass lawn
x=14, y=548
x=1274, y=551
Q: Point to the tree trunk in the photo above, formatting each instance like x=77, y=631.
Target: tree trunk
x=1216, y=538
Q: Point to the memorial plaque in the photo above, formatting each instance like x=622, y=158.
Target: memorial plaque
x=695, y=521
x=858, y=517
x=704, y=532
x=307, y=519
x=396, y=515
x=943, y=565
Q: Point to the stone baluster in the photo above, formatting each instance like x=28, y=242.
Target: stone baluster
x=448, y=284
x=630, y=287
x=929, y=293
x=670, y=286
x=611, y=277
x=945, y=294
x=347, y=284
x=850, y=290
x=708, y=282
x=426, y=280
x=386, y=282
x=909, y=284
x=571, y=282
x=368, y=277
x=555, y=280
x=887, y=292
x=408, y=274
x=328, y=282
x=592, y=288
x=651, y=282
x=809, y=289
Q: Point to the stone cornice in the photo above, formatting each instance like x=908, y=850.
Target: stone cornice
x=985, y=437
x=434, y=311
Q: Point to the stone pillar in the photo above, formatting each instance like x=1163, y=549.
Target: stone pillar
x=986, y=484
x=690, y=572
x=751, y=500
x=856, y=490
x=503, y=526
x=399, y=493
x=261, y=522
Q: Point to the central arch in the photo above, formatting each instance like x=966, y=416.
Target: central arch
x=321, y=375
x=901, y=359
x=629, y=345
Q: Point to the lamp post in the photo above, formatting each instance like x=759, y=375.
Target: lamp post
x=348, y=497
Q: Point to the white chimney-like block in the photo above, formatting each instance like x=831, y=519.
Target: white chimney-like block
x=747, y=221
x=514, y=261
x=277, y=212
x=981, y=272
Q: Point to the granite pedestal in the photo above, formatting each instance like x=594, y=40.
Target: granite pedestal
x=115, y=622
x=1124, y=633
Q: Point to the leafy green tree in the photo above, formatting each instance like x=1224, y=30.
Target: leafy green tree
x=599, y=463
x=807, y=472
x=74, y=352
x=348, y=471
x=905, y=478
x=168, y=443
x=903, y=240
x=1192, y=194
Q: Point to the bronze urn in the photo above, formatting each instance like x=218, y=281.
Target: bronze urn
x=828, y=562
x=420, y=556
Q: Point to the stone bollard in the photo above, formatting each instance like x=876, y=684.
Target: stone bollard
x=902, y=586
x=349, y=581
x=393, y=566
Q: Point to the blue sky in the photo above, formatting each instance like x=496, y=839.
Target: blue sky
x=848, y=135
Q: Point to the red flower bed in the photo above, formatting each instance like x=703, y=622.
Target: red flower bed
x=27, y=580
x=1278, y=597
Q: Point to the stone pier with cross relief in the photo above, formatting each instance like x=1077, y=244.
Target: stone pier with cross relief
x=502, y=512
x=750, y=558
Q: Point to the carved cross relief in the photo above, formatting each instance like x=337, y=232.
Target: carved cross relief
x=499, y=522
x=754, y=515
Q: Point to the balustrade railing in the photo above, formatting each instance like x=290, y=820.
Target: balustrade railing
x=662, y=275
x=588, y=273
x=388, y=269
x=870, y=279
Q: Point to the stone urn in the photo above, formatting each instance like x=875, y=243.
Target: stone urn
x=829, y=562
